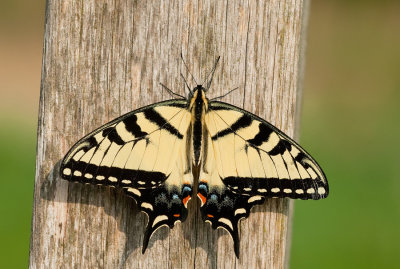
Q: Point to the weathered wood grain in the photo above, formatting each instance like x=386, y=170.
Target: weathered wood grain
x=105, y=58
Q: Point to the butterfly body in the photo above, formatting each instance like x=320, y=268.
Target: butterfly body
x=198, y=107
x=154, y=153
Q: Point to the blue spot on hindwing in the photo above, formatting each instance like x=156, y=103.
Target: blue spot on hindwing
x=203, y=187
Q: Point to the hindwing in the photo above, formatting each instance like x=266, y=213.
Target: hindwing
x=142, y=152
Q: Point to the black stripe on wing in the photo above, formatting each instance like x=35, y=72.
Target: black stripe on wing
x=113, y=136
x=242, y=122
x=262, y=135
x=133, y=127
x=161, y=122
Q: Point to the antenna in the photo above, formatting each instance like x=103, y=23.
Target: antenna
x=212, y=74
x=171, y=92
x=183, y=60
x=222, y=96
x=187, y=84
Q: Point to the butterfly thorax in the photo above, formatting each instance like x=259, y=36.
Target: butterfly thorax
x=198, y=106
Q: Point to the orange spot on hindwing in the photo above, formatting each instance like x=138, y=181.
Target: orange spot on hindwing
x=202, y=198
x=186, y=200
x=177, y=215
x=210, y=216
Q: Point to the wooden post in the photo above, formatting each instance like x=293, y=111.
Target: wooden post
x=105, y=58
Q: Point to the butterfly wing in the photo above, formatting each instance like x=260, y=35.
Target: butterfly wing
x=144, y=153
x=249, y=160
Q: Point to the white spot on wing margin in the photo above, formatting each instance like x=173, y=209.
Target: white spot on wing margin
x=158, y=219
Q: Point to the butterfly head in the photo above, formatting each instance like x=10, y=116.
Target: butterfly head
x=199, y=88
x=198, y=98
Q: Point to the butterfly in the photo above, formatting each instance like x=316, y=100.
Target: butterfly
x=160, y=153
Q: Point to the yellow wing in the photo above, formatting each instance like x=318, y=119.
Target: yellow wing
x=255, y=158
x=144, y=152
x=247, y=160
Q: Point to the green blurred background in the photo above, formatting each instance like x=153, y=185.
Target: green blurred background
x=350, y=122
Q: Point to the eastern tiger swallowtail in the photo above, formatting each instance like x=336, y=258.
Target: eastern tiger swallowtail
x=152, y=152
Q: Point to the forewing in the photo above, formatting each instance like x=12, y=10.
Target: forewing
x=143, y=153
x=248, y=160
x=255, y=158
